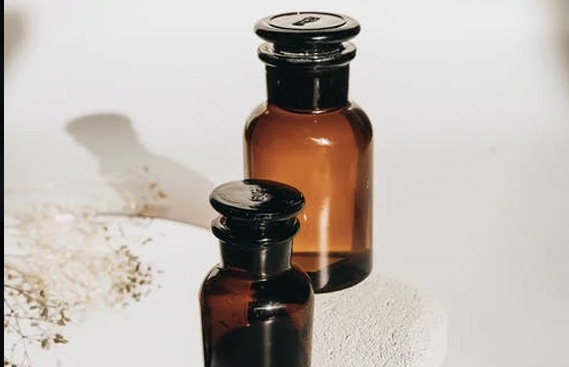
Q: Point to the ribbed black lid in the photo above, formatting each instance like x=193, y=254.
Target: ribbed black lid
x=307, y=38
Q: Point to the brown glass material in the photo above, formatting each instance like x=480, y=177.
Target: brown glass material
x=256, y=323
x=256, y=307
x=327, y=155
x=310, y=136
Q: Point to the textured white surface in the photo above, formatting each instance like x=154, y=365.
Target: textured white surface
x=379, y=322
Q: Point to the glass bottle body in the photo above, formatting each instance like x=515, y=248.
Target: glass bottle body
x=256, y=321
x=328, y=156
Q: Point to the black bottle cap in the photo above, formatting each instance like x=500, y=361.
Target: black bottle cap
x=307, y=28
x=256, y=211
x=257, y=200
x=307, y=39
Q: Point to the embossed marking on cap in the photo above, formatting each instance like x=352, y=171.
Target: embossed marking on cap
x=306, y=20
x=258, y=194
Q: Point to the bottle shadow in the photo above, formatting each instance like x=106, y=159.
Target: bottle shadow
x=14, y=33
x=111, y=138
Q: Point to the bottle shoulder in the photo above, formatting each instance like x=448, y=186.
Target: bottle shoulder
x=270, y=122
x=290, y=287
x=354, y=109
x=359, y=118
x=266, y=112
x=257, y=111
x=230, y=301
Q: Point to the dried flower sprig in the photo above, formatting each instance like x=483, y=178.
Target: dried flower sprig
x=30, y=314
x=61, y=260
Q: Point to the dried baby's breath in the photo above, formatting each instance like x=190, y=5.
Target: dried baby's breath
x=61, y=260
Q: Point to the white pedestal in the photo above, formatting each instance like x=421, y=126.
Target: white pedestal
x=379, y=322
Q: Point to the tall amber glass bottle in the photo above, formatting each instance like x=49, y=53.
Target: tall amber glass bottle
x=256, y=306
x=309, y=135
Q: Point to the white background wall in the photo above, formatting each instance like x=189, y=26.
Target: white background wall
x=470, y=103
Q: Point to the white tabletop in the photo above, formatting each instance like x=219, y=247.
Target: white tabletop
x=378, y=322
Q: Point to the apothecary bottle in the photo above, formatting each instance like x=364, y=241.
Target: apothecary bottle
x=256, y=307
x=310, y=135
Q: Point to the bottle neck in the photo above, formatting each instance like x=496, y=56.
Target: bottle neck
x=308, y=90
x=258, y=261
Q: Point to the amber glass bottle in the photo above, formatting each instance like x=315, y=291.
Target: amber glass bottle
x=256, y=307
x=309, y=135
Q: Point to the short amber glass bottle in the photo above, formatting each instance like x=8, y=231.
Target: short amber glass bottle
x=256, y=307
x=311, y=136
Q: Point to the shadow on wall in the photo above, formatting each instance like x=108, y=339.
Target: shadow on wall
x=13, y=35
x=112, y=139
